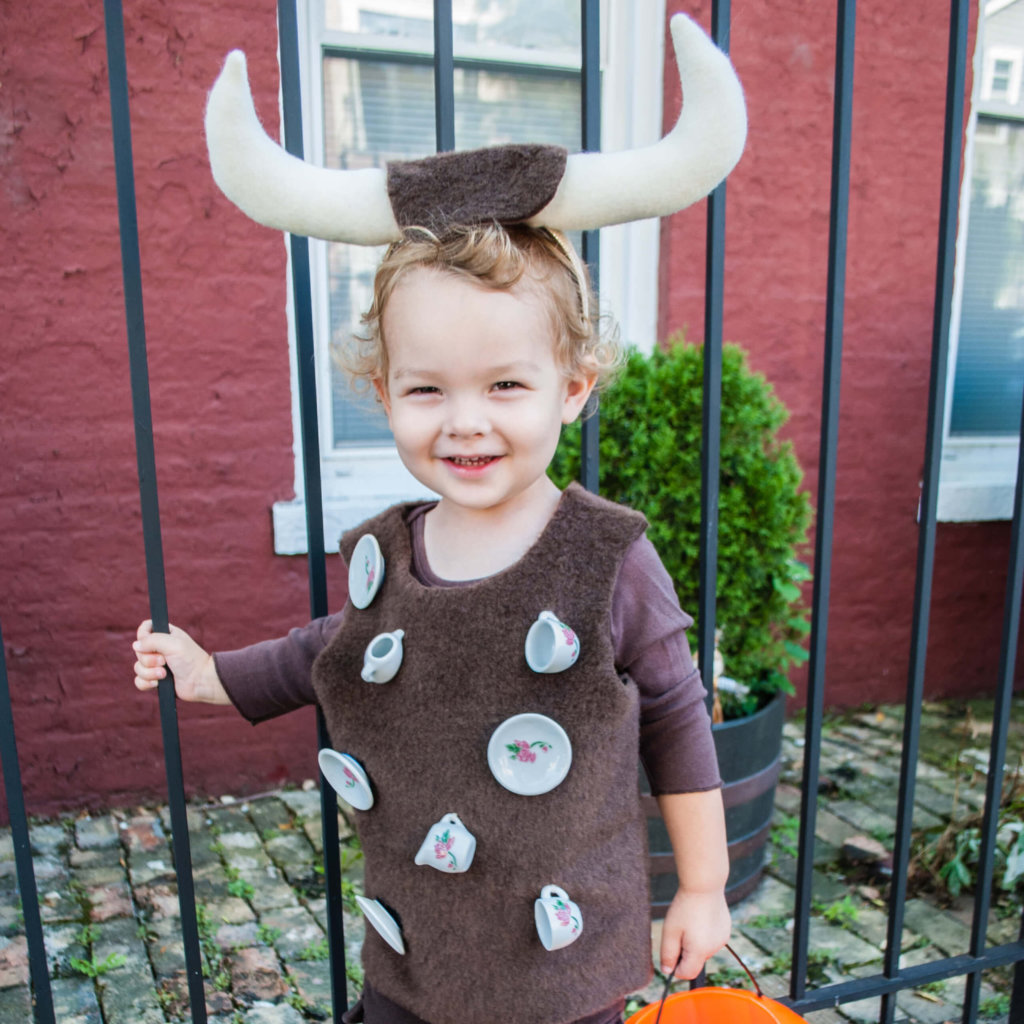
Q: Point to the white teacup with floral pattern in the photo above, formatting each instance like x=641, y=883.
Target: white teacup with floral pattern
x=551, y=646
x=559, y=921
x=449, y=846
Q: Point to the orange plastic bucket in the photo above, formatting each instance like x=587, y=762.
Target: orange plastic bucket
x=717, y=1006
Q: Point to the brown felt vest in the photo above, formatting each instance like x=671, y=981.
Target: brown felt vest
x=472, y=951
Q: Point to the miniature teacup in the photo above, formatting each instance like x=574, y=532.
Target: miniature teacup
x=551, y=646
x=449, y=846
x=559, y=921
x=383, y=657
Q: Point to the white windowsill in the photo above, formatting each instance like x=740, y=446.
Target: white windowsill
x=357, y=483
x=339, y=516
x=977, y=480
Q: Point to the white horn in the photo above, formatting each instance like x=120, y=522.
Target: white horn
x=599, y=189
x=279, y=190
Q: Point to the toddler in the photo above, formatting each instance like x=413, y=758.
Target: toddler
x=480, y=344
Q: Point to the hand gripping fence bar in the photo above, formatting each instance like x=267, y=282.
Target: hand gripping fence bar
x=132, y=272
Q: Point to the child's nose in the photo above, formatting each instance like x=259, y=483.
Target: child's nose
x=466, y=418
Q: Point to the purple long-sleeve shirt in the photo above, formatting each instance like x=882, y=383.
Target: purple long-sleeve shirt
x=648, y=631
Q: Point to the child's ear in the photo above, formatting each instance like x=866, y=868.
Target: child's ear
x=381, y=387
x=577, y=392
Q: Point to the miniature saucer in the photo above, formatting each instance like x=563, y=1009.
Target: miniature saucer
x=529, y=754
x=365, y=571
x=387, y=927
x=347, y=777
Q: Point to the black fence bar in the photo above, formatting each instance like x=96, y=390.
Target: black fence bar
x=951, y=160
x=1017, y=999
x=444, y=76
x=1000, y=729
x=711, y=428
x=291, y=96
x=590, y=106
x=828, y=446
x=131, y=267
x=42, y=997
x=829, y=996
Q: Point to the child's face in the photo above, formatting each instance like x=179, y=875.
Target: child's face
x=474, y=395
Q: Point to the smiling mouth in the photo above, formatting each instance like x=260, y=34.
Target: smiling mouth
x=471, y=462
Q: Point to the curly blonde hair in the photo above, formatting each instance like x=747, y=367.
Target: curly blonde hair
x=495, y=257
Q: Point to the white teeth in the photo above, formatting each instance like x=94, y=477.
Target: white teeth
x=477, y=460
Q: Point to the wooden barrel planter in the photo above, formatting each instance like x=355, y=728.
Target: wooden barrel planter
x=749, y=759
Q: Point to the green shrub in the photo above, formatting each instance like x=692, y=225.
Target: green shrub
x=650, y=460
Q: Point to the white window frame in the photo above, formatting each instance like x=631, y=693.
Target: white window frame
x=1012, y=56
x=978, y=474
x=360, y=481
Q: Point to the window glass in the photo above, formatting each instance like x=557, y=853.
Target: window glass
x=989, y=367
x=990, y=355
x=1001, y=71
x=378, y=110
x=549, y=25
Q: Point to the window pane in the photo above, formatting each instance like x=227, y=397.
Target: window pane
x=381, y=110
x=406, y=19
x=551, y=25
x=1001, y=71
x=374, y=111
x=990, y=357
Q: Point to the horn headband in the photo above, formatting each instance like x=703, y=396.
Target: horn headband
x=540, y=186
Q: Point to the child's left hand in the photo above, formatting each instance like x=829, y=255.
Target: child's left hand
x=697, y=925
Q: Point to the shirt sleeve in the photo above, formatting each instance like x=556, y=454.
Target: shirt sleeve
x=275, y=676
x=649, y=634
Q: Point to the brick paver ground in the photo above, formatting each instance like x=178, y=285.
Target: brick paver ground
x=109, y=900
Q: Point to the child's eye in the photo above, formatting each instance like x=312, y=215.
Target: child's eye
x=507, y=385
x=425, y=389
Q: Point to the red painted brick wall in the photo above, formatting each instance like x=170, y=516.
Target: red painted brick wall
x=775, y=293
x=72, y=577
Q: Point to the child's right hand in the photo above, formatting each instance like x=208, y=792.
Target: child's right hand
x=195, y=674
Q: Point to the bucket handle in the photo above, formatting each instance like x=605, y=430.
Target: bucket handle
x=668, y=981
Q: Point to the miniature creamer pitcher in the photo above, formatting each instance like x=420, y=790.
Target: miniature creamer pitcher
x=383, y=657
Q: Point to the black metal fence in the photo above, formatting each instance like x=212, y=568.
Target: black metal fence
x=893, y=978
